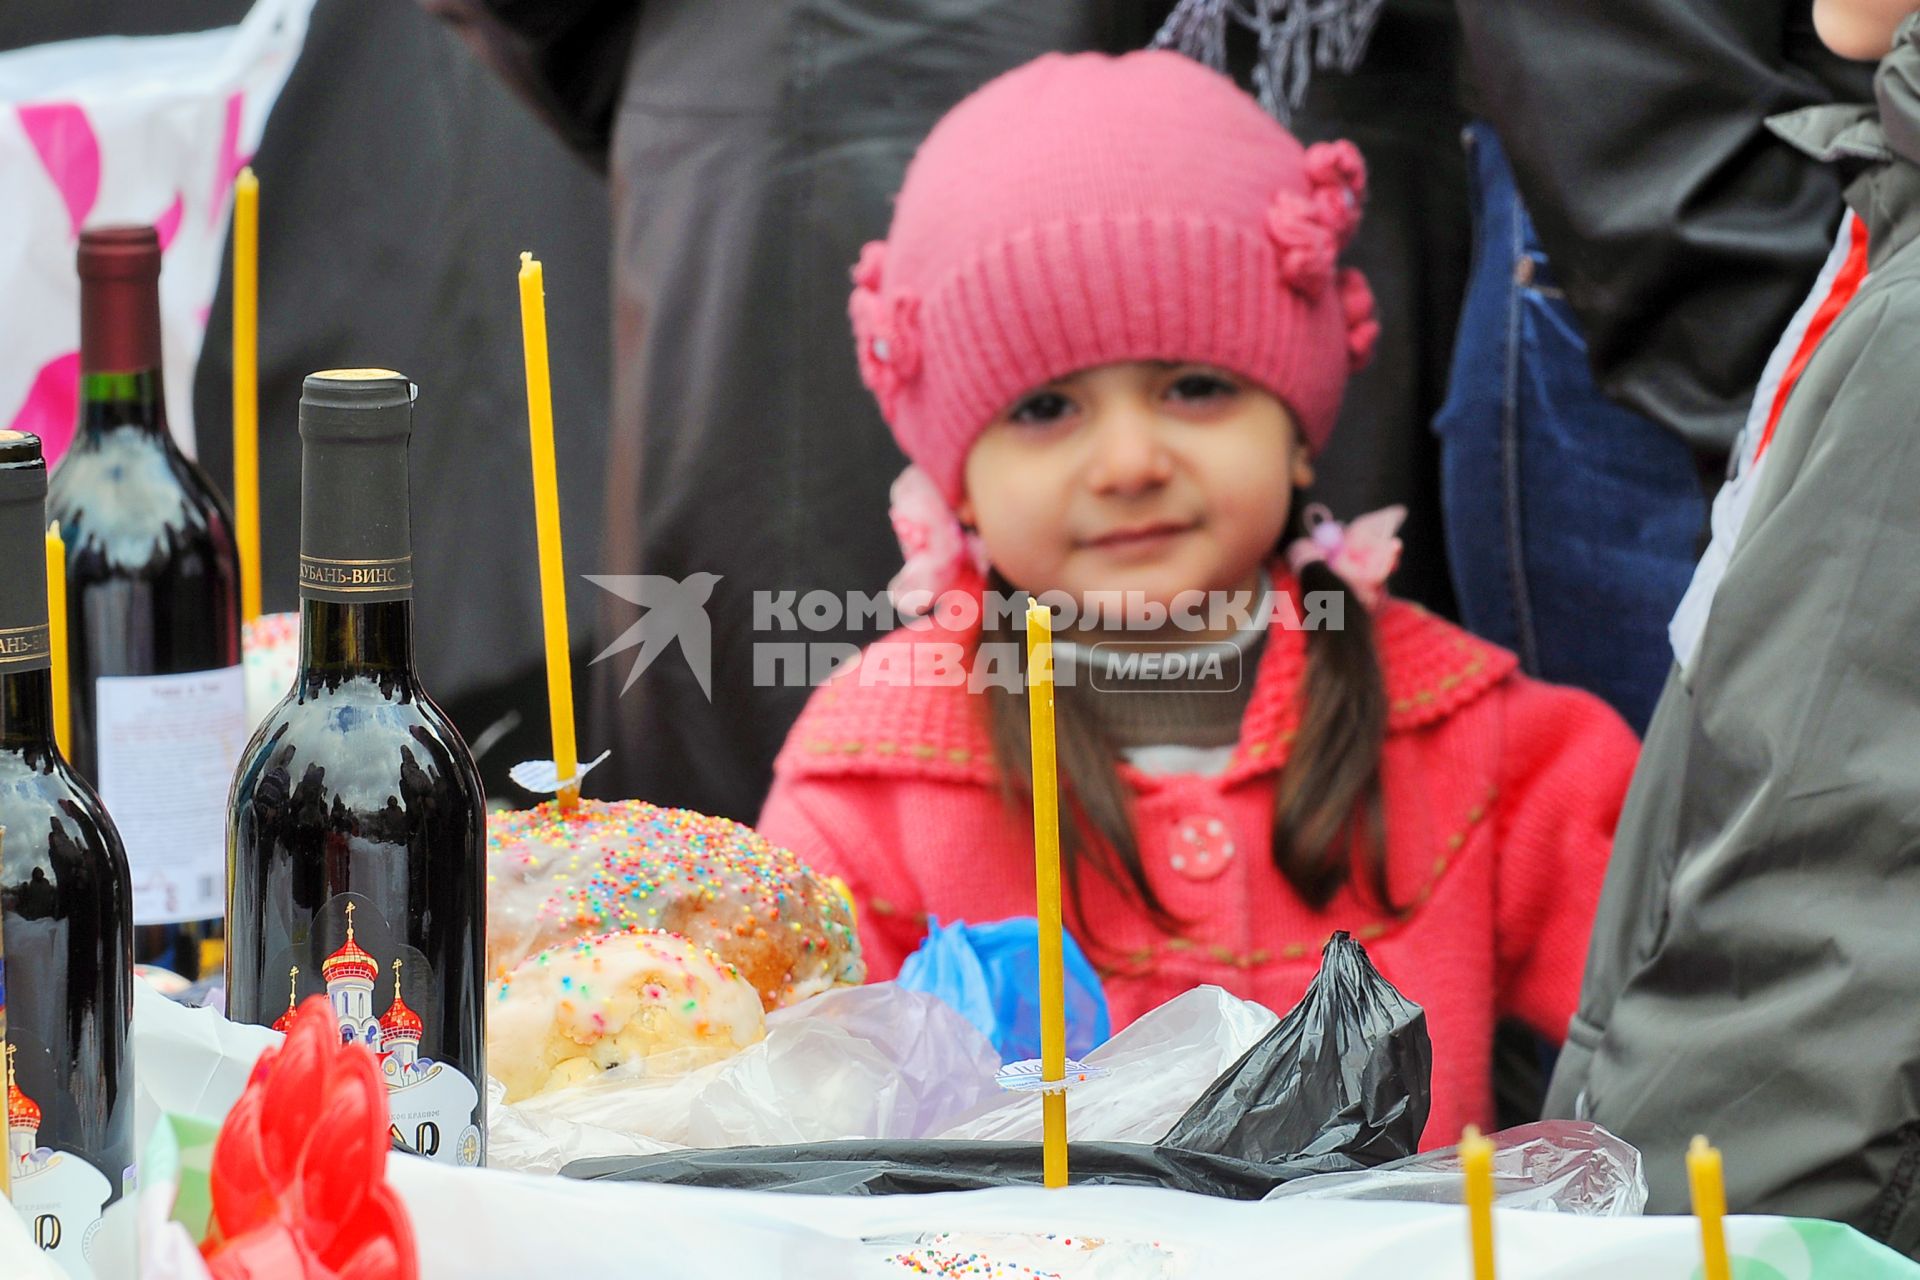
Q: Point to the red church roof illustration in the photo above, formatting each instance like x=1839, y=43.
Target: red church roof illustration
x=22, y=1112
x=399, y=1022
x=349, y=961
x=285, y=1021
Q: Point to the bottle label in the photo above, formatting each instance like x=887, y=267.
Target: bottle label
x=323, y=578
x=60, y=1198
x=386, y=996
x=24, y=648
x=57, y=1194
x=168, y=746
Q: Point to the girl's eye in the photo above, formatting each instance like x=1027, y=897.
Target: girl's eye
x=1200, y=387
x=1041, y=408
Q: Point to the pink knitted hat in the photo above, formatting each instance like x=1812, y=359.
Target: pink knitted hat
x=1084, y=209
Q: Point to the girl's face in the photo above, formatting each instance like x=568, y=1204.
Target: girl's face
x=1144, y=476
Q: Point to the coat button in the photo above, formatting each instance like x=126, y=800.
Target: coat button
x=1202, y=847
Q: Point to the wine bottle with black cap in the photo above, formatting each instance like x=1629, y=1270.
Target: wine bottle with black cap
x=66, y=919
x=153, y=610
x=356, y=827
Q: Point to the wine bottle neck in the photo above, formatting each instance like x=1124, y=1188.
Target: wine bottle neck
x=114, y=400
x=26, y=654
x=26, y=711
x=356, y=543
x=339, y=639
x=119, y=302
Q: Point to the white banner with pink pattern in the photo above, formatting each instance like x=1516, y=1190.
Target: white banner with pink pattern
x=149, y=129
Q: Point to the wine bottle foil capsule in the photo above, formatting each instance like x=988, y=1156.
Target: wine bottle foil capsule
x=355, y=532
x=23, y=527
x=119, y=303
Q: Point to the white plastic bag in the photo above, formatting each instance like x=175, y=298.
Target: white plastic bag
x=191, y=1062
x=876, y=1061
x=139, y=1238
x=1553, y=1166
x=1159, y=1065
x=119, y=129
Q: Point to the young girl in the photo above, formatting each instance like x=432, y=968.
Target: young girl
x=1108, y=329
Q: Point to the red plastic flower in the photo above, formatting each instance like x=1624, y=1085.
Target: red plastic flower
x=299, y=1170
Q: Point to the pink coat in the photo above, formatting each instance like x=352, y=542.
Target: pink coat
x=1501, y=798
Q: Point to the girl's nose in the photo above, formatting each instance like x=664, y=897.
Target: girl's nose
x=1129, y=455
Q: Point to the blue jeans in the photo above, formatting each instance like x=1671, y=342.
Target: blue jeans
x=1572, y=523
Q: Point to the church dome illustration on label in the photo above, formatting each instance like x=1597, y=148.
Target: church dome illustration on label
x=431, y=1105
x=23, y=1118
x=284, y=1023
x=400, y=1032
x=350, y=974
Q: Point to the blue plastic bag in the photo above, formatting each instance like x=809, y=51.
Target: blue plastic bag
x=990, y=973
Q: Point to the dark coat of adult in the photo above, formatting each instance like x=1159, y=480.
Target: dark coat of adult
x=1684, y=233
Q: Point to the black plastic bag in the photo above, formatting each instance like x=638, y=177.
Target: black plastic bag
x=1342, y=1083
x=1346, y=1078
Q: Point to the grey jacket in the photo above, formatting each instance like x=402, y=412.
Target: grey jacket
x=1755, y=967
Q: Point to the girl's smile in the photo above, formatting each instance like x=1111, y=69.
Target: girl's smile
x=1141, y=541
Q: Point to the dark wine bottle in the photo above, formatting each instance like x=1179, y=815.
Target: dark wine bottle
x=6, y=1156
x=6, y=1054
x=66, y=916
x=153, y=610
x=357, y=823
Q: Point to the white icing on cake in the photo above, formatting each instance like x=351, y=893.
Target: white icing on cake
x=638, y=999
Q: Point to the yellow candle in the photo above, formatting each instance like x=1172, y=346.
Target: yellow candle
x=57, y=638
x=246, y=388
x=1046, y=864
x=1476, y=1156
x=1707, y=1179
x=546, y=511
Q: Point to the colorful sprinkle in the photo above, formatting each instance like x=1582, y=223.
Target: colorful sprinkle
x=721, y=884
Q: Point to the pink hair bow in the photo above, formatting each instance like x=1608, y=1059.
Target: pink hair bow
x=1364, y=552
x=937, y=548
